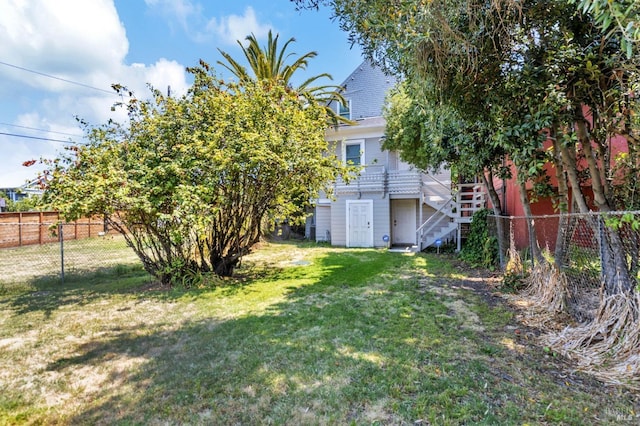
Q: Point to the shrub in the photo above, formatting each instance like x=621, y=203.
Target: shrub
x=480, y=248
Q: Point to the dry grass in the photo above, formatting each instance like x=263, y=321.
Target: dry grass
x=305, y=335
x=547, y=288
x=609, y=345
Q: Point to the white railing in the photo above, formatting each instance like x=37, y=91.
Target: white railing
x=378, y=179
x=458, y=208
x=404, y=182
x=369, y=179
x=470, y=198
x=435, y=220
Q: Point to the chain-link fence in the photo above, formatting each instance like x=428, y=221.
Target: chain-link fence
x=592, y=250
x=41, y=250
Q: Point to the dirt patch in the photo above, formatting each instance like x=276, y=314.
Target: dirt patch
x=522, y=336
x=154, y=285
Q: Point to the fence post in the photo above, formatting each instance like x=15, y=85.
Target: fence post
x=61, y=236
x=532, y=240
x=20, y=229
x=40, y=225
x=602, y=248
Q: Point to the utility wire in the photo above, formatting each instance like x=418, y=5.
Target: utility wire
x=36, y=137
x=40, y=130
x=58, y=78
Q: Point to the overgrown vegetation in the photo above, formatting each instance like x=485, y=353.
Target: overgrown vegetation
x=191, y=181
x=539, y=84
x=552, y=87
x=22, y=205
x=480, y=248
x=302, y=335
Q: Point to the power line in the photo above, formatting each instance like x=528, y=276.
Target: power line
x=36, y=137
x=40, y=130
x=58, y=78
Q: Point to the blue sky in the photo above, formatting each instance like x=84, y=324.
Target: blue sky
x=90, y=44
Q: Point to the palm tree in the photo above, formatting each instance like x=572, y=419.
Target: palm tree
x=269, y=64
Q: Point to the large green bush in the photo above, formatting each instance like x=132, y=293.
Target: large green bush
x=480, y=248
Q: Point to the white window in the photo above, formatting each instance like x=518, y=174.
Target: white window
x=353, y=152
x=344, y=111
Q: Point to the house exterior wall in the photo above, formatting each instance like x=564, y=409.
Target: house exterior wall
x=366, y=89
x=380, y=222
x=323, y=223
x=384, y=177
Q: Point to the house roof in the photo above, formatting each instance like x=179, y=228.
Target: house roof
x=366, y=88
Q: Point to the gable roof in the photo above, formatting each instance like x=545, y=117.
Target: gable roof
x=366, y=88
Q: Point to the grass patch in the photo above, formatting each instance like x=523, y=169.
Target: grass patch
x=31, y=267
x=303, y=335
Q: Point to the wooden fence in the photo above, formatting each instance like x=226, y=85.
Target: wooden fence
x=28, y=228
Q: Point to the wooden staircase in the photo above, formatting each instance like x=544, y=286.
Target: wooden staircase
x=452, y=209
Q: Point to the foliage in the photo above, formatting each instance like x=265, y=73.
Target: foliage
x=517, y=76
x=430, y=134
x=22, y=205
x=190, y=180
x=616, y=17
x=269, y=64
x=513, y=282
x=480, y=248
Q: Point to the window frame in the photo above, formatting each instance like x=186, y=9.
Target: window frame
x=343, y=110
x=352, y=142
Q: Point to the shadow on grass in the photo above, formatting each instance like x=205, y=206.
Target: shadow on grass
x=331, y=353
x=361, y=343
x=49, y=293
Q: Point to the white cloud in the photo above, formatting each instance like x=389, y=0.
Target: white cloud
x=223, y=30
x=66, y=38
x=236, y=27
x=77, y=40
x=160, y=75
x=18, y=150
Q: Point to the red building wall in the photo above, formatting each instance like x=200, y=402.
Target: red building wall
x=546, y=228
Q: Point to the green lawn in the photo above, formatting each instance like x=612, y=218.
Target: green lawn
x=304, y=335
x=83, y=257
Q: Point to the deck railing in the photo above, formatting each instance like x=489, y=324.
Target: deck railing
x=378, y=179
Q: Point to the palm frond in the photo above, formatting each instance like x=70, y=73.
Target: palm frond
x=269, y=63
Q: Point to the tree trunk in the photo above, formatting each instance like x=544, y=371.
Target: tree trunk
x=571, y=167
x=497, y=212
x=536, y=254
x=597, y=184
x=615, y=270
x=563, y=199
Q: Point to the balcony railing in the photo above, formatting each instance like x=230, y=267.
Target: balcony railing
x=378, y=179
x=404, y=182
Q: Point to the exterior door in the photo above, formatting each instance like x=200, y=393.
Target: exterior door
x=359, y=223
x=403, y=222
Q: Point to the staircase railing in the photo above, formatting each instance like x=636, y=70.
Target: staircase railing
x=470, y=198
x=446, y=186
x=433, y=221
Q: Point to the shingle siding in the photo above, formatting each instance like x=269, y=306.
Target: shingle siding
x=366, y=89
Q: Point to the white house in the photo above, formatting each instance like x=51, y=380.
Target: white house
x=390, y=203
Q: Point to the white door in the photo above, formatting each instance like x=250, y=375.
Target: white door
x=403, y=222
x=359, y=223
